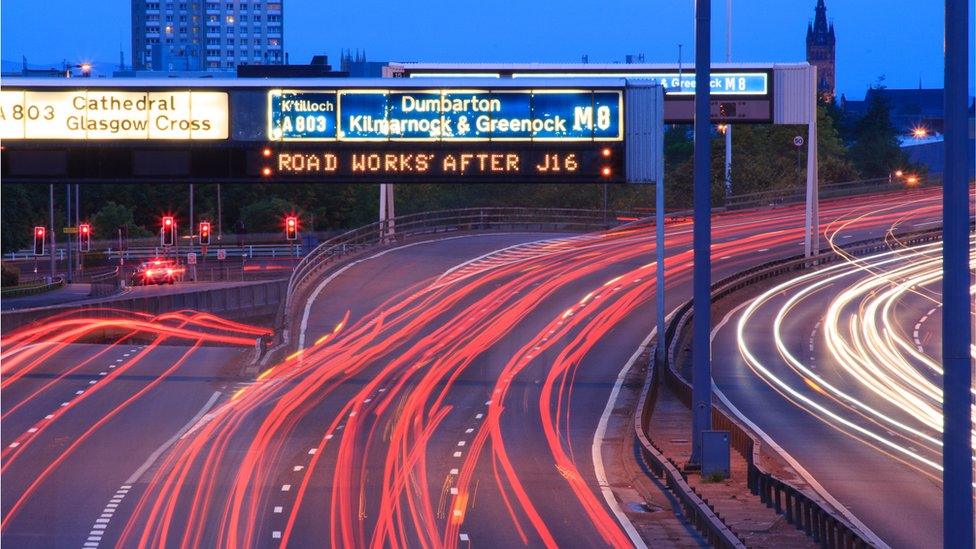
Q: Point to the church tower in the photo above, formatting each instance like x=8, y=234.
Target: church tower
x=820, y=52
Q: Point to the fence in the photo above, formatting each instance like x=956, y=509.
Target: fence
x=426, y=223
x=701, y=514
x=32, y=288
x=106, y=284
x=796, y=507
x=775, y=197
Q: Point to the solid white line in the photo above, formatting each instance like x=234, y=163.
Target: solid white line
x=598, y=437
x=134, y=477
x=872, y=538
x=318, y=289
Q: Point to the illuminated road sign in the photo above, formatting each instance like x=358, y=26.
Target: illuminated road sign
x=341, y=131
x=445, y=115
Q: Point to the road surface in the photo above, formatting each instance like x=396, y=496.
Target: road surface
x=841, y=367
x=448, y=394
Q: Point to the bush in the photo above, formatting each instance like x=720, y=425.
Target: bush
x=9, y=275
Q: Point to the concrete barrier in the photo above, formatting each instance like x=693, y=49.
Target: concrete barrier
x=239, y=302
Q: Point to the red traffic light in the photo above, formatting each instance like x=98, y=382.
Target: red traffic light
x=84, y=237
x=168, y=233
x=39, y=240
x=204, y=233
x=291, y=227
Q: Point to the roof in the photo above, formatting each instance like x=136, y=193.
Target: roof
x=305, y=83
x=905, y=102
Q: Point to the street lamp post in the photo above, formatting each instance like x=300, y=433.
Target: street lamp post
x=701, y=389
x=728, y=127
x=957, y=304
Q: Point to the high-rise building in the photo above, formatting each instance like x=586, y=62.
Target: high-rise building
x=206, y=35
x=821, y=48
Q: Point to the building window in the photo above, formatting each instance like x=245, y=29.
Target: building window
x=230, y=41
x=273, y=41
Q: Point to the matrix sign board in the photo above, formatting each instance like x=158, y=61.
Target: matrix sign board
x=445, y=115
x=458, y=162
x=113, y=115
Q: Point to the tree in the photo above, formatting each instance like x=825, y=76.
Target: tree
x=875, y=151
x=835, y=167
x=106, y=222
x=267, y=215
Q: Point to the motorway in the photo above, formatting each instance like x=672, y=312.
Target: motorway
x=448, y=393
x=842, y=368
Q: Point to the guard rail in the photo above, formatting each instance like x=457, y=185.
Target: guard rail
x=797, y=508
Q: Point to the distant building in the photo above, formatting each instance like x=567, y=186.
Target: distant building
x=918, y=116
x=319, y=67
x=358, y=67
x=821, y=52
x=199, y=35
x=910, y=109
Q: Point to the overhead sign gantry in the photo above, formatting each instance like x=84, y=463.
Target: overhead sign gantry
x=434, y=130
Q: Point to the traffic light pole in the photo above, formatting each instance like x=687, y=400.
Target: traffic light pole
x=78, y=223
x=51, y=207
x=957, y=320
x=701, y=388
x=67, y=240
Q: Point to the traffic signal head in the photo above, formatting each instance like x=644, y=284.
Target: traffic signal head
x=169, y=231
x=291, y=227
x=84, y=237
x=204, y=233
x=39, y=233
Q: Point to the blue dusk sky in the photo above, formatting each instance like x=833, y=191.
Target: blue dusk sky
x=900, y=39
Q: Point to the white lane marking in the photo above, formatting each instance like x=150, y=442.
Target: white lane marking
x=454, y=491
x=454, y=472
x=464, y=537
x=597, y=448
x=278, y=509
x=457, y=454
x=134, y=477
x=285, y=487
x=112, y=506
x=325, y=282
x=276, y=534
x=479, y=416
x=872, y=538
x=298, y=468
x=924, y=223
x=461, y=443
x=311, y=451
